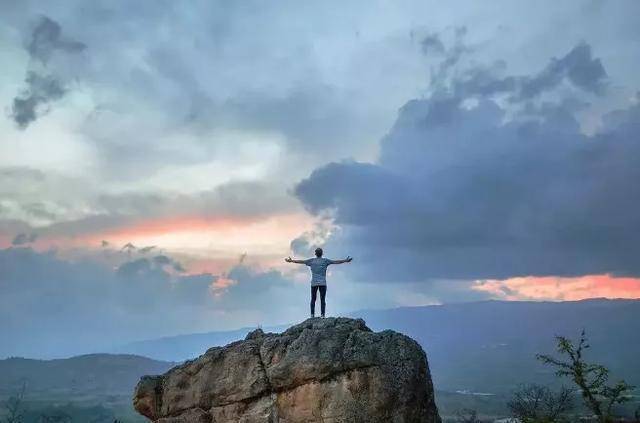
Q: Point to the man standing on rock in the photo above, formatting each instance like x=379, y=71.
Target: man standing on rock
x=318, y=266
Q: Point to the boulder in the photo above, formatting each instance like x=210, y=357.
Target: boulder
x=329, y=370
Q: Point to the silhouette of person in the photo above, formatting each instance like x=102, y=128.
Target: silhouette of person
x=318, y=266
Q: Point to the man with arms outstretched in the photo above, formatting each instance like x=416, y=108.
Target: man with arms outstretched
x=318, y=266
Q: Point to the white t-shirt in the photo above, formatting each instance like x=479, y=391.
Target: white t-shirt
x=318, y=266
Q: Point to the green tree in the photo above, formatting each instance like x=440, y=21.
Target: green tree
x=590, y=378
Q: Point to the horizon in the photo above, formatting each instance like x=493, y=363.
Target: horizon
x=353, y=314
x=158, y=163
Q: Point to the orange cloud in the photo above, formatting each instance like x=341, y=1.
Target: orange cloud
x=152, y=227
x=210, y=244
x=561, y=288
x=141, y=232
x=5, y=240
x=220, y=286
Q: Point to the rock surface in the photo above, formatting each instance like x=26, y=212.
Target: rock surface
x=330, y=370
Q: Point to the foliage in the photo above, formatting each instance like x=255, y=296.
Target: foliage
x=17, y=411
x=590, y=378
x=539, y=404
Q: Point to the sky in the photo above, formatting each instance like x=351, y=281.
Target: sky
x=158, y=160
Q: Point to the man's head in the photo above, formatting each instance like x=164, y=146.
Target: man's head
x=318, y=252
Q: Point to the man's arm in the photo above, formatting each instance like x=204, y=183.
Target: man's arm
x=290, y=260
x=347, y=260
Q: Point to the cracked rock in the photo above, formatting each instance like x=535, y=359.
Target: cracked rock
x=322, y=370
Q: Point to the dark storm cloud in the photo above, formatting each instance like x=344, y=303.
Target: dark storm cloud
x=432, y=44
x=465, y=192
x=43, y=84
x=578, y=67
x=451, y=56
x=47, y=37
x=40, y=90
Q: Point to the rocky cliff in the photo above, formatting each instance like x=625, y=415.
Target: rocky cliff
x=322, y=370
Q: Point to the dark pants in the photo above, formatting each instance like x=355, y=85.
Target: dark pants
x=323, y=294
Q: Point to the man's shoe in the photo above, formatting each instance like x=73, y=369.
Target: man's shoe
x=313, y=316
x=322, y=316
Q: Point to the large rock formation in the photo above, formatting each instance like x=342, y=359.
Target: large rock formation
x=322, y=370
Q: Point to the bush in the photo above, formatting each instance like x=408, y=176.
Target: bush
x=590, y=378
x=539, y=404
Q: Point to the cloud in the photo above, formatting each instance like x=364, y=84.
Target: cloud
x=22, y=239
x=51, y=306
x=432, y=44
x=305, y=244
x=577, y=66
x=47, y=38
x=491, y=189
x=43, y=86
x=166, y=261
x=174, y=99
x=56, y=307
x=249, y=288
x=89, y=211
x=560, y=289
x=458, y=75
x=269, y=296
x=41, y=89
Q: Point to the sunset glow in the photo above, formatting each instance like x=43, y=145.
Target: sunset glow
x=223, y=235
x=561, y=289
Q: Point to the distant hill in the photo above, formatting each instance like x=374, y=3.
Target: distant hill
x=93, y=374
x=481, y=347
x=184, y=347
x=490, y=346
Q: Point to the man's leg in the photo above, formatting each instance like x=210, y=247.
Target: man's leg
x=314, y=290
x=323, y=294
